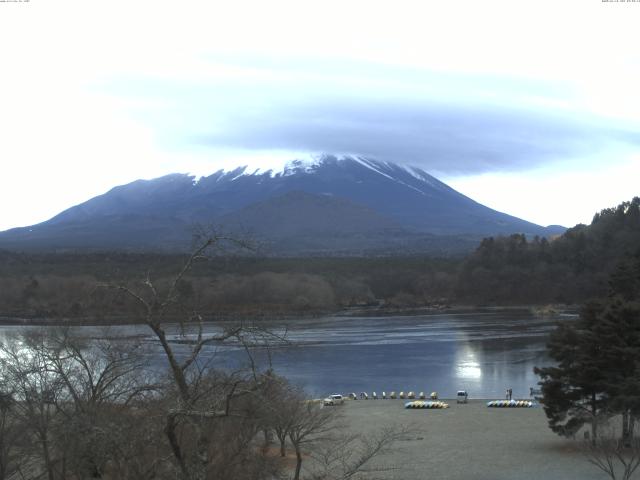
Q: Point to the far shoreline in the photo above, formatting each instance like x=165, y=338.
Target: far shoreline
x=542, y=311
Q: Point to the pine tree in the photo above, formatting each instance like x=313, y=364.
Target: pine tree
x=619, y=328
x=598, y=361
x=574, y=389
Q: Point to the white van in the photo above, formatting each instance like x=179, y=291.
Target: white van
x=333, y=400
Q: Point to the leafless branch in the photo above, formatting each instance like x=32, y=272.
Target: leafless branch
x=610, y=454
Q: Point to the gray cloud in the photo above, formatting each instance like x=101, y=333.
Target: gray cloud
x=445, y=138
x=447, y=123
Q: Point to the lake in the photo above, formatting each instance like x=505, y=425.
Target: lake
x=483, y=352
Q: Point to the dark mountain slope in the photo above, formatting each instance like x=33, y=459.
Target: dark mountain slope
x=297, y=212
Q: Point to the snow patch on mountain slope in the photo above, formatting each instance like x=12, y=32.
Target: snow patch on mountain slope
x=370, y=165
x=312, y=163
x=300, y=165
x=377, y=166
x=424, y=177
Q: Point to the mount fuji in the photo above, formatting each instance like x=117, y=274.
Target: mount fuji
x=330, y=205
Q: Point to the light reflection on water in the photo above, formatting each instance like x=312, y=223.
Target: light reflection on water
x=467, y=365
x=482, y=352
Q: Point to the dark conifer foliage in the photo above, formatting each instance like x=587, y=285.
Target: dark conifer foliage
x=598, y=360
x=573, y=390
x=572, y=268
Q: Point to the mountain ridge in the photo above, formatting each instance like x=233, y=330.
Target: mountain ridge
x=329, y=196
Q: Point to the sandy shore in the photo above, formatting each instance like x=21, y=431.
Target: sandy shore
x=471, y=442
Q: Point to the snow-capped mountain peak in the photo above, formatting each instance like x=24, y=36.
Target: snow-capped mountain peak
x=350, y=202
x=314, y=164
x=273, y=169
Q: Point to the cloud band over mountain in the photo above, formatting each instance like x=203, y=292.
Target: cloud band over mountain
x=452, y=139
x=444, y=122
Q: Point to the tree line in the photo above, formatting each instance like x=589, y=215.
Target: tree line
x=569, y=269
x=502, y=271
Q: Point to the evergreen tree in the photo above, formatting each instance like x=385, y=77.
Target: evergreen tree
x=598, y=360
x=619, y=329
x=574, y=389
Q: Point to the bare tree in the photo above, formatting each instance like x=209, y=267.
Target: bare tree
x=11, y=436
x=101, y=380
x=73, y=399
x=199, y=398
x=86, y=408
x=26, y=373
x=618, y=458
x=311, y=424
x=281, y=402
x=352, y=456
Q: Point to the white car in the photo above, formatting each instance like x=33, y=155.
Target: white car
x=333, y=400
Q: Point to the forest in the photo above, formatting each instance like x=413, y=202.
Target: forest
x=502, y=271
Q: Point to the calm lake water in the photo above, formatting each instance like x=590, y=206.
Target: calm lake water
x=484, y=352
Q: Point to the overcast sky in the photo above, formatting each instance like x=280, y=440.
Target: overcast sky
x=530, y=107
